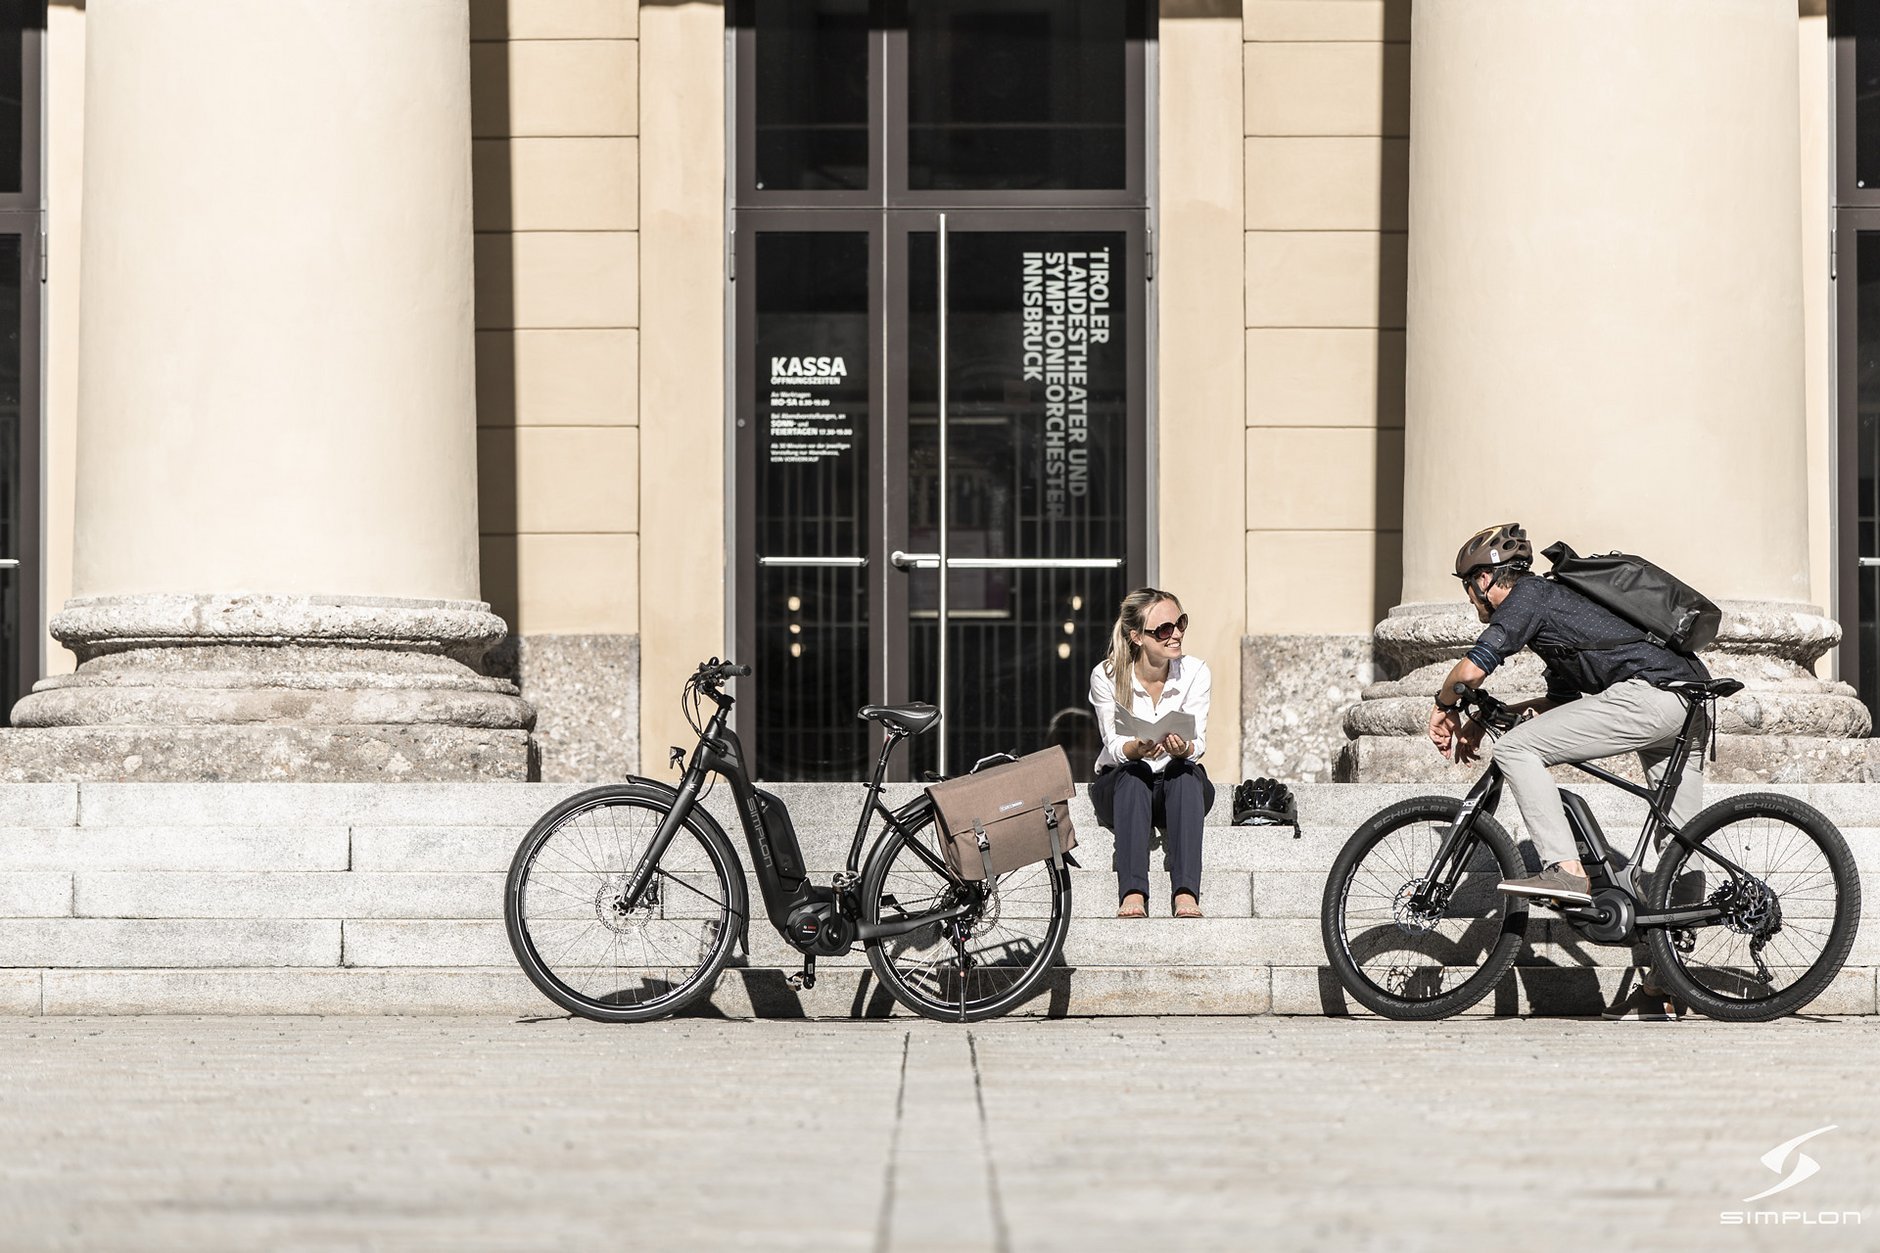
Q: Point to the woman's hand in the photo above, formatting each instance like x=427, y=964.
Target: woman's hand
x=1175, y=746
x=1142, y=750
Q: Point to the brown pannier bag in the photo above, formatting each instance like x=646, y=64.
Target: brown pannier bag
x=1008, y=816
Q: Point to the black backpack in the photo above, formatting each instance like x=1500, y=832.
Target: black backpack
x=1670, y=612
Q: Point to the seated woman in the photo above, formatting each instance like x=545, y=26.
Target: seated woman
x=1143, y=784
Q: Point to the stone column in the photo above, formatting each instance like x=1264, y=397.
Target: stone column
x=1605, y=344
x=275, y=572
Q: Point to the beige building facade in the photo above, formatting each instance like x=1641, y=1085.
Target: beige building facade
x=495, y=361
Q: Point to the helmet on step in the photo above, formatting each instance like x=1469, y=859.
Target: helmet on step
x=1264, y=802
x=1492, y=548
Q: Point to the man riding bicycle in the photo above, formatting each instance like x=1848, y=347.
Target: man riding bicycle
x=1605, y=695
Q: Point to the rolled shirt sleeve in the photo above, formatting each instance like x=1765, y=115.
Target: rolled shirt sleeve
x=1514, y=625
x=1103, y=704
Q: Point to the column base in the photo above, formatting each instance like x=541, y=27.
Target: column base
x=262, y=754
x=261, y=688
x=1786, y=726
x=586, y=693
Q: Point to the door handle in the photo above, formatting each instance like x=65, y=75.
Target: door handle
x=1869, y=561
x=7, y=563
x=839, y=563
x=931, y=561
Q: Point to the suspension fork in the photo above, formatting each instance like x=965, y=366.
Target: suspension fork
x=689, y=788
x=1452, y=855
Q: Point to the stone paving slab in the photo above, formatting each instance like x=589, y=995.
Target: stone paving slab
x=1183, y=1134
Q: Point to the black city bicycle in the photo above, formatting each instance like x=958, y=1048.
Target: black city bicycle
x=624, y=902
x=1751, y=912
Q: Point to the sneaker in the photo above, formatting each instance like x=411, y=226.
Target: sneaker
x=1552, y=883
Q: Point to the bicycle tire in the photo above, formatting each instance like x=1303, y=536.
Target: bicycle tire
x=1678, y=883
x=1023, y=894
x=1503, y=942
x=683, y=906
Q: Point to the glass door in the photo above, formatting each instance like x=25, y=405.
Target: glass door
x=1021, y=470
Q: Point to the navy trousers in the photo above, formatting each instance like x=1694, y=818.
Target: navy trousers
x=1133, y=800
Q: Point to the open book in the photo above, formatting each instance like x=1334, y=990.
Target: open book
x=1176, y=720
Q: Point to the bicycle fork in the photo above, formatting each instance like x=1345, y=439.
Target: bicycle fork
x=1452, y=855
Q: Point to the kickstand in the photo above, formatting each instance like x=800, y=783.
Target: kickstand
x=807, y=979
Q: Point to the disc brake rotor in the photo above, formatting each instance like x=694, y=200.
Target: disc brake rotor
x=1410, y=919
x=610, y=905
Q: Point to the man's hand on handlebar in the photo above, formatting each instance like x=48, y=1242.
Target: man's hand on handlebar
x=1445, y=728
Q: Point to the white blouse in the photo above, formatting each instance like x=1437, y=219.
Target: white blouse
x=1188, y=688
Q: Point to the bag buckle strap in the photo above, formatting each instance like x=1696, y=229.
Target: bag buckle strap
x=985, y=851
x=1051, y=829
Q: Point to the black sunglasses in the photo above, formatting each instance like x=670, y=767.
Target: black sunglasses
x=1167, y=630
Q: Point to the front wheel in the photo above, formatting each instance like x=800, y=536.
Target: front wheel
x=984, y=964
x=1787, y=922
x=579, y=941
x=1406, y=960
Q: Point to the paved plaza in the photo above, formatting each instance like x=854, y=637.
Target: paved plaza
x=380, y=1133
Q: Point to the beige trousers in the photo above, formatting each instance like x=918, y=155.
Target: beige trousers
x=1632, y=716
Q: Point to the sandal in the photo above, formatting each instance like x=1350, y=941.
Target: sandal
x=1127, y=910
x=1191, y=910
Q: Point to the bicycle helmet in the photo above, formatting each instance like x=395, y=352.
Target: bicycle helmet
x=1494, y=547
x=1264, y=802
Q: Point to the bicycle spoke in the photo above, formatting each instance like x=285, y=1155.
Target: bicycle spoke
x=584, y=936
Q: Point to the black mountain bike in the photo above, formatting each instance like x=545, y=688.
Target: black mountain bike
x=624, y=902
x=1749, y=915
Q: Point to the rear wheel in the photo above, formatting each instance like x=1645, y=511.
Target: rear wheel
x=984, y=964
x=572, y=930
x=1788, y=922
x=1405, y=962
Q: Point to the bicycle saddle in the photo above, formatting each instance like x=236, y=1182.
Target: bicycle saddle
x=901, y=719
x=1697, y=689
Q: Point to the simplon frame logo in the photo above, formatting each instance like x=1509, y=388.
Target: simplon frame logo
x=1795, y=1167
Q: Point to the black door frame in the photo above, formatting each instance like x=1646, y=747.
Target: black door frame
x=890, y=212
x=22, y=214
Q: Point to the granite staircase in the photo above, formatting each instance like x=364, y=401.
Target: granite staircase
x=387, y=899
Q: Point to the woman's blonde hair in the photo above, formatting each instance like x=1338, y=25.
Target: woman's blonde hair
x=1130, y=617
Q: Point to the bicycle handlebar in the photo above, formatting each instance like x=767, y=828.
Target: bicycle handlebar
x=1484, y=708
x=714, y=672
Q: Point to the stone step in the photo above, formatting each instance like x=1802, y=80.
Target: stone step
x=1226, y=893
x=479, y=849
x=266, y=806
x=161, y=942
x=1150, y=942
x=840, y=993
